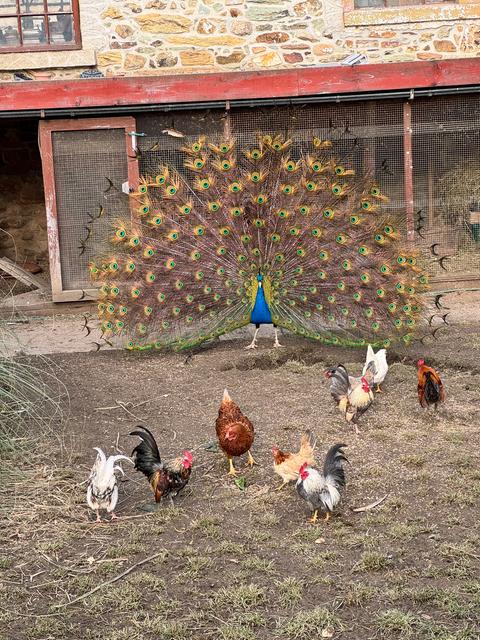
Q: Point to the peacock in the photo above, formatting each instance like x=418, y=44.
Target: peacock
x=267, y=234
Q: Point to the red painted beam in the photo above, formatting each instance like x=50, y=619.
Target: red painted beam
x=58, y=94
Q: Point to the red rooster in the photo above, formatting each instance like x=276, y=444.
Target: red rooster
x=235, y=432
x=166, y=478
x=430, y=387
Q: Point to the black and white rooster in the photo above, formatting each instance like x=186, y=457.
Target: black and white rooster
x=322, y=491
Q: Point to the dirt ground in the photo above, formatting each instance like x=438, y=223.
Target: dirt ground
x=233, y=564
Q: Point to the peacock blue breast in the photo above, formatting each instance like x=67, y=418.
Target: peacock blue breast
x=260, y=312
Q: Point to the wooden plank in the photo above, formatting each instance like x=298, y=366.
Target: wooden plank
x=59, y=294
x=98, y=92
x=21, y=274
x=408, y=170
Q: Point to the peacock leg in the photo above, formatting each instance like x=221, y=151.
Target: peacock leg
x=114, y=517
x=98, y=516
x=277, y=344
x=232, y=471
x=378, y=390
x=314, y=518
x=250, y=460
x=327, y=517
x=253, y=344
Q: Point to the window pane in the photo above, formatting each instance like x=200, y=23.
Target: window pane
x=33, y=30
x=61, y=28
x=61, y=6
x=31, y=6
x=8, y=6
x=9, y=32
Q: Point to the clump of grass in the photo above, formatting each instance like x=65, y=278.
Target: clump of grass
x=372, y=561
x=238, y=598
x=290, y=591
x=253, y=562
x=208, y=525
x=356, y=594
x=294, y=366
x=234, y=631
x=309, y=624
x=196, y=565
x=177, y=630
x=404, y=531
x=396, y=622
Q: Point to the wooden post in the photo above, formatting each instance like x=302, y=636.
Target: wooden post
x=408, y=169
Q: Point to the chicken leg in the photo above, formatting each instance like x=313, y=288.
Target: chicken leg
x=327, y=517
x=284, y=484
x=98, y=516
x=378, y=390
x=314, y=518
x=232, y=471
x=114, y=516
x=250, y=460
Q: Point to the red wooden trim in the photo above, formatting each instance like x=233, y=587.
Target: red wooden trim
x=46, y=149
x=408, y=169
x=99, y=92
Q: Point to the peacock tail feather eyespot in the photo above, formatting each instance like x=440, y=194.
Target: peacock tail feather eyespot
x=298, y=271
x=196, y=146
x=189, y=319
x=255, y=176
x=199, y=275
x=119, y=325
x=341, y=286
x=170, y=264
x=221, y=271
x=353, y=323
x=400, y=287
x=147, y=310
x=242, y=258
x=216, y=297
x=176, y=311
x=357, y=296
x=415, y=308
x=283, y=213
x=207, y=289
x=389, y=230
x=316, y=232
x=423, y=279
x=135, y=292
x=258, y=222
x=410, y=322
x=341, y=239
x=173, y=235
x=105, y=289
x=294, y=231
x=122, y=310
x=107, y=326
x=160, y=179
x=319, y=306
x=331, y=298
x=165, y=324
x=392, y=307
x=236, y=212
x=224, y=231
x=366, y=205
x=322, y=275
x=201, y=308
x=412, y=261
x=304, y=210
x=338, y=189
x=171, y=190
x=261, y=199
x=185, y=209
x=311, y=186
x=110, y=308
x=279, y=257
x=130, y=266
x=221, y=251
x=189, y=298
x=365, y=278
x=293, y=282
x=235, y=187
x=225, y=165
x=313, y=289
x=331, y=317
x=369, y=312
x=363, y=250
x=385, y=270
x=328, y=214
x=406, y=308
x=344, y=311
x=301, y=253
x=120, y=233
x=195, y=255
x=256, y=252
x=199, y=230
x=161, y=297
x=323, y=255
x=179, y=284
x=375, y=326
x=130, y=345
x=142, y=188
x=380, y=292
x=156, y=221
x=398, y=323
x=214, y=206
x=204, y=184
x=379, y=239
x=150, y=277
x=114, y=291
x=113, y=266
x=148, y=252
x=198, y=163
x=346, y=265
x=410, y=291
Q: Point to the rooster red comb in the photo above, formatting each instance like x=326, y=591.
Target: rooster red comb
x=188, y=456
x=303, y=467
x=421, y=362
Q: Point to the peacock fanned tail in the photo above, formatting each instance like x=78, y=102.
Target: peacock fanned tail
x=184, y=269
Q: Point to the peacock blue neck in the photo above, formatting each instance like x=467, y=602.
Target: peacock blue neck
x=260, y=312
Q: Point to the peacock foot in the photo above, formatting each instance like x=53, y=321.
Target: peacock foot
x=250, y=460
x=314, y=518
x=114, y=516
x=252, y=345
x=277, y=344
x=98, y=517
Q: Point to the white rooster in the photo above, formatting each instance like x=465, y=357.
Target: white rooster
x=102, y=491
x=380, y=361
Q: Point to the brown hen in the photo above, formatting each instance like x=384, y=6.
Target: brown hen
x=234, y=431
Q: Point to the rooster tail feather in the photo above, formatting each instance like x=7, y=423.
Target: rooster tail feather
x=226, y=396
x=333, y=466
x=339, y=383
x=308, y=439
x=432, y=389
x=146, y=453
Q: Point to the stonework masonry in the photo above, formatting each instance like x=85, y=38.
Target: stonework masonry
x=155, y=37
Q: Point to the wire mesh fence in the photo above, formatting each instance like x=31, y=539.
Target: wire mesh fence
x=369, y=135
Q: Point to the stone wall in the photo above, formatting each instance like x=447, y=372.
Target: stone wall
x=23, y=224
x=147, y=37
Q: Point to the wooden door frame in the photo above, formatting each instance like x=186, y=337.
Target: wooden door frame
x=46, y=129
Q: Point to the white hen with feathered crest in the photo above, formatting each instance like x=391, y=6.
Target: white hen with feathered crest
x=102, y=491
